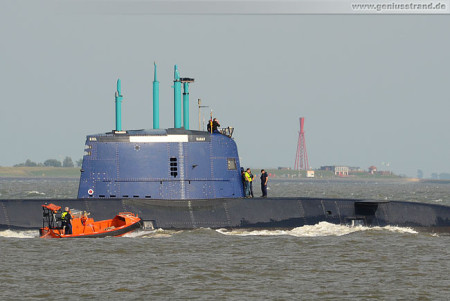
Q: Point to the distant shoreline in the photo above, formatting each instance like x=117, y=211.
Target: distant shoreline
x=74, y=173
x=39, y=172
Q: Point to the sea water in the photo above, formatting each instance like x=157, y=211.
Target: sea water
x=319, y=262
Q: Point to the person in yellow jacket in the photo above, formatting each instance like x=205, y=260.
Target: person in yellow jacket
x=66, y=221
x=248, y=181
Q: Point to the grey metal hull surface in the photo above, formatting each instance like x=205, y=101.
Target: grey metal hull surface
x=241, y=213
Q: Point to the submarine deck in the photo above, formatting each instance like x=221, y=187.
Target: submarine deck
x=242, y=212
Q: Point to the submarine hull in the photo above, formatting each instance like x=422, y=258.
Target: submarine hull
x=241, y=212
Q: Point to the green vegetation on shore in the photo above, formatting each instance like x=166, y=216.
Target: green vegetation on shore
x=39, y=172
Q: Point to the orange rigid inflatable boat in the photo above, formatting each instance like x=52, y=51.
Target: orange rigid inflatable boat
x=84, y=226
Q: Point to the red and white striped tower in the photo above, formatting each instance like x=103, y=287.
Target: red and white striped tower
x=301, y=159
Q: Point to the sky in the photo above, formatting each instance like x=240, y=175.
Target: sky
x=373, y=89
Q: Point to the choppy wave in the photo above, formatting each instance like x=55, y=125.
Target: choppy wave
x=158, y=233
x=19, y=234
x=320, y=229
x=34, y=193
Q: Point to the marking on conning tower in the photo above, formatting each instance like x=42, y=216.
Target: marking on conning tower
x=181, y=170
x=191, y=213
x=115, y=184
x=150, y=139
x=6, y=214
x=211, y=162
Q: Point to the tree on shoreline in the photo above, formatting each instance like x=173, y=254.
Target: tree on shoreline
x=67, y=162
x=27, y=163
x=52, y=162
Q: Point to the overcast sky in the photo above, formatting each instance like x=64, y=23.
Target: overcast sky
x=374, y=89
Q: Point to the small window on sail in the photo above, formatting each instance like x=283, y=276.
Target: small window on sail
x=231, y=164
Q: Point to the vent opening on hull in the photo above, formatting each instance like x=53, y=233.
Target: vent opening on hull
x=173, y=167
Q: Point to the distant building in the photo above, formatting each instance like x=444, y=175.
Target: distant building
x=355, y=169
x=341, y=170
x=310, y=173
x=372, y=169
x=327, y=168
x=338, y=170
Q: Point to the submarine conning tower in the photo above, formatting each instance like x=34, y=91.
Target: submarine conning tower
x=170, y=164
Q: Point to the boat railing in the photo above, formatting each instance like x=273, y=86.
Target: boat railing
x=76, y=213
x=128, y=213
x=228, y=131
x=50, y=218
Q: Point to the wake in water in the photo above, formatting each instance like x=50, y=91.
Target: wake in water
x=19, y=234
x=318, y=230
x=136, y=234
x=34, y=193
x=158, y=233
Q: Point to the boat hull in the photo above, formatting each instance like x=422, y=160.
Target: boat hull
x=242, y=213
x=91, y=229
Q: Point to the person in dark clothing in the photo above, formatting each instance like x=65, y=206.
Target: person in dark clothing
x=264, y=179
x=244, y=182
x=66, y=221
x=214, y=124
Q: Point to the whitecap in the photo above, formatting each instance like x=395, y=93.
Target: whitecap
x=34, y=193
x=158, y=233
x=318, y=230
x=395, y=229
x=19, y=233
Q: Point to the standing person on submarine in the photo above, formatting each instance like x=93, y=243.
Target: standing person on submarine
x=244, y=181
x=248, y=181
x=251, y=183
x=213, y=126
x=264, y=179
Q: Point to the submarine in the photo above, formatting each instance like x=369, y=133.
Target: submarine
x=178, y=178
